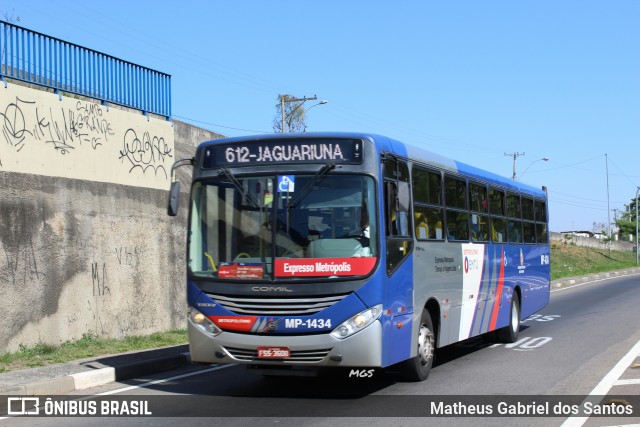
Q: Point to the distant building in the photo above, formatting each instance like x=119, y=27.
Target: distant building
x=582, y=234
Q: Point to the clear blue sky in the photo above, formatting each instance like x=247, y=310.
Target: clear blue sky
x=471, y=80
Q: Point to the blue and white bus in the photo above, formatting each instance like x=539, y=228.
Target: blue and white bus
x=354, y=250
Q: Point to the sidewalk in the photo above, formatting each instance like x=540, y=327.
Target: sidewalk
x=87, y=373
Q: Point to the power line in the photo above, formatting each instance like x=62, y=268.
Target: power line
x=234, y=76
x=220, y=126
x=554, y=201
x=579, y=197
x=623, y=174
x=224, y=73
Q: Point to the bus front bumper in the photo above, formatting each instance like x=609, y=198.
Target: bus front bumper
x=362, y=349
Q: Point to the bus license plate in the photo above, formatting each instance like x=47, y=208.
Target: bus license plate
x=273, y=352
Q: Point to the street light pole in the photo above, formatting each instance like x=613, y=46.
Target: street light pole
x=324, y=101
x=606, y=159
x=303, y=99
x=544, y=159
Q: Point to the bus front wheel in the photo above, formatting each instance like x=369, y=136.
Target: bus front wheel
x=418, y=368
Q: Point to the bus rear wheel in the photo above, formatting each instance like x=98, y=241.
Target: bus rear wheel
x=509, y=333
x=418, y=368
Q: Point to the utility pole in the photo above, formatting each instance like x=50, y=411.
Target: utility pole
x=515, y=156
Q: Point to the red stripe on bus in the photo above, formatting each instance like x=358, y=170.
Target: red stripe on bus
x=496, y=303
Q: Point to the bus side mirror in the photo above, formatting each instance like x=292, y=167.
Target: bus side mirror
x=174, y=192
x=174, y=199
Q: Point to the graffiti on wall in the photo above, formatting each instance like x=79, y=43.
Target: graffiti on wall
x=21, y=266
x=148, y=153
x=44, y=134
x=64, y=129
x=129, y=256
x=99, y=277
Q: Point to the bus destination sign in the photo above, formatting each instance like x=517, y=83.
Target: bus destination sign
x=254, y=153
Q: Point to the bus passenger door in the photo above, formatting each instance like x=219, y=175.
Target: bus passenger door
x=399, y=266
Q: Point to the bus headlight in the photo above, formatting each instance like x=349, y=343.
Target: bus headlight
x=357, y=322
x=203, y=323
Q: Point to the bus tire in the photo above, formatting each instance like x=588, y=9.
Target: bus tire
x=509, y=333
x=418, y=368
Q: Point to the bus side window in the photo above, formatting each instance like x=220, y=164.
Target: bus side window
x=528, y=226
x=428, y=216
x=397, y=205
x=397, y=199
x=457, y=214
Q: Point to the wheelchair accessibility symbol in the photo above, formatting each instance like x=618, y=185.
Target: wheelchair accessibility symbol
x=286, y=183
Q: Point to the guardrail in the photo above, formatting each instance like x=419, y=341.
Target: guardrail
x=47, y=61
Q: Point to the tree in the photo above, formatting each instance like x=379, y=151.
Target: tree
x=11, y=17
x=295, y=118
x=600, y=228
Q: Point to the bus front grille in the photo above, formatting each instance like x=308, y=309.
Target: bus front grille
x=300, y=356
x=276, y=306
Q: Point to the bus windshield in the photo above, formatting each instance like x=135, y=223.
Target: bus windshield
x=283, y=226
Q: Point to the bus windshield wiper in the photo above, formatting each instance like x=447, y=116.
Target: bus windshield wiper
x=243, y=192
x=313, y=181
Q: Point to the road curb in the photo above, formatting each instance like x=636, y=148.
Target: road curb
x=598, y=276
x=97, y=377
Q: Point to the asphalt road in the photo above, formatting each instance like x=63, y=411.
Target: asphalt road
x=567, y=351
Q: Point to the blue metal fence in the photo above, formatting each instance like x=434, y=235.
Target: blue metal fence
x=39, y=59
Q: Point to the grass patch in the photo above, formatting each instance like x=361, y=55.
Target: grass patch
x=569, y=260
x=86, y=347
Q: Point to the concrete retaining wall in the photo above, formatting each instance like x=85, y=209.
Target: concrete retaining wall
x=616, y=245
x=81, y=255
